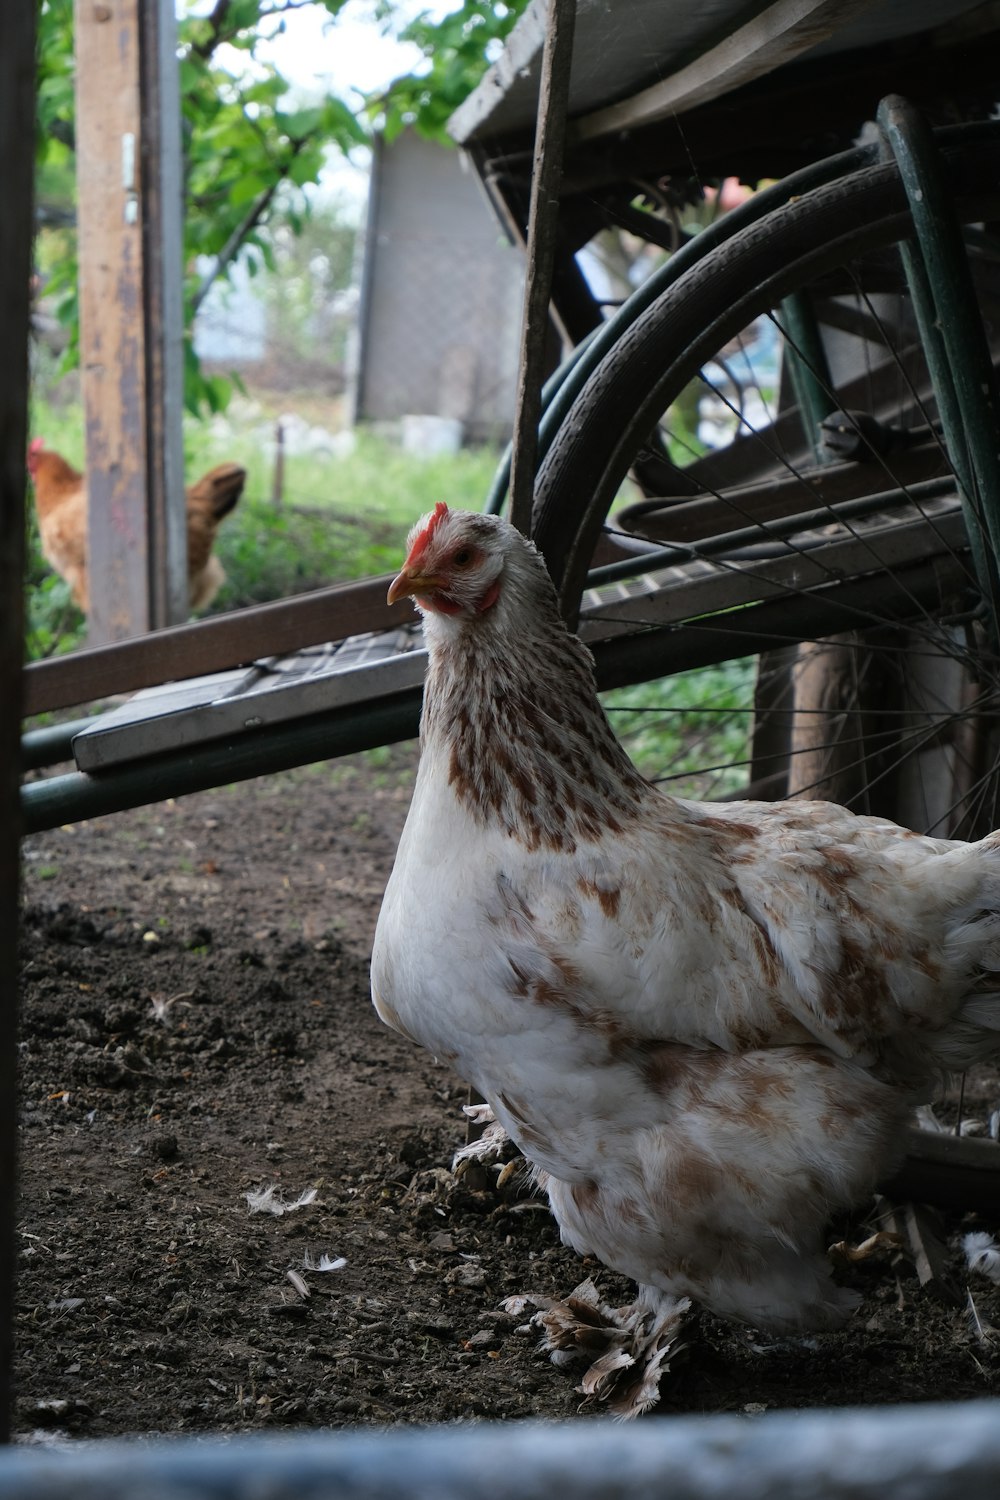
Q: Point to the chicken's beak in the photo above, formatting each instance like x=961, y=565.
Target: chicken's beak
x=410, y=584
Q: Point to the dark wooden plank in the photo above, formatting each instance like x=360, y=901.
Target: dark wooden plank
x=210, y=645
x=17, y=111
x=952, y=1171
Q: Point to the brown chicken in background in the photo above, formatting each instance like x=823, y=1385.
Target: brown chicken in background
x=61, y=503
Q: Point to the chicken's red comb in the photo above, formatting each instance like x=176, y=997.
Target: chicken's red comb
x=35, y=448
x=423, y=541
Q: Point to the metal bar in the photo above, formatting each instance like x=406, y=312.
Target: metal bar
x=213, y=645
x=17, y=110
x=945, y=302
x=49, y=746
x=693, y=589
x=543, y=223
x=66, y=799
x=162, y=209
x=723, y=544
x=929, y=1452
x=807, y=367
x=949, y=411
x=665, y=519
x=708, y=639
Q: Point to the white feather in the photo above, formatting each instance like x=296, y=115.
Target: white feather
x=982, y=1255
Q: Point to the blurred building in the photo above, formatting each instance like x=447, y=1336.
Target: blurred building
x=440, y=314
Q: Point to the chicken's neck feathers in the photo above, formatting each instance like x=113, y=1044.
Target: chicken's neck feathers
x=512, y=719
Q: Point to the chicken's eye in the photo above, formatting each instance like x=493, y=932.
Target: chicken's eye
x=463, y=557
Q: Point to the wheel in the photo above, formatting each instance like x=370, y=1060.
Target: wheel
x=821, y=530
x=812, y=550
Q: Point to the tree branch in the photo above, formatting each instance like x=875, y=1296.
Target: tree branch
x=220, y=33
x=216, y=24
x=63, y=131
x=238, y=238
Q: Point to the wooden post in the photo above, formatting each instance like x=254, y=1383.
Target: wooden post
x=278, y=484
x=17, y=111
x=128, y=176
x=543, y=224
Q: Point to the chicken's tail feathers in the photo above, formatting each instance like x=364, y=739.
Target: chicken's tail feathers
x=227, y=487
x=221, y=488
x=971, y=1036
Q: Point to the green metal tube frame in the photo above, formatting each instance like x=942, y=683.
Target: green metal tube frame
x=951, y=331
x=808, y=368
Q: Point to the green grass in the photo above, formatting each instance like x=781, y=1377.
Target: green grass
x=690, y=732
x=343, y=517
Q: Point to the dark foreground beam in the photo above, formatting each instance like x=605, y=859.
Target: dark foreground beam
x=17, y=111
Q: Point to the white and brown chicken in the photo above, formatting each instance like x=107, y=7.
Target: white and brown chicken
x=706, y=1026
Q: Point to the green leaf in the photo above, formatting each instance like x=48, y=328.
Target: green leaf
x=247, y=190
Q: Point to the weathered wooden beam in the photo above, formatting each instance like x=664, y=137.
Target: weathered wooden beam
x=17, y=111
x=952, y=1171
x=129, y=318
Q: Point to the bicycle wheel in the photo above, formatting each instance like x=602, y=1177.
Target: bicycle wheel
x=836, y=553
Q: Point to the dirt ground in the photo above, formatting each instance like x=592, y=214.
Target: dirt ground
x=196, y=1026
